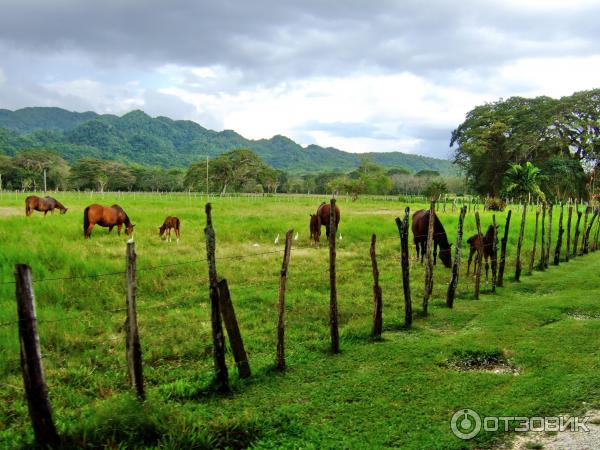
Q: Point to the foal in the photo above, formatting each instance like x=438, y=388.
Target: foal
x=486, y=246
x=170, y=223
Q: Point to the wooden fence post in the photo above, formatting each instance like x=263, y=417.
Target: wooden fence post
x=494, y=255
x=280, y=361
x=403, y=230
x=576, y=238
x=503, y=250
x=569, y=216
x=520, y=244
x=548, y=244
x=586, y=238
x=233, y=330
x=333, y=307
x=377, y=300
x=455, y=268
x=543, y=239
x=133, y=346
x=559, y=237
x=585, y=221
x=478, y=257
x=221, y=373
x=535, y=235
x=429, y=266
x=596, y=235
x=34, y=381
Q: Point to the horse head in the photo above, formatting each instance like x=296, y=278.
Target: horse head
x=161, y=229
x=63, y=210
x=129, y=228
x=446, y=255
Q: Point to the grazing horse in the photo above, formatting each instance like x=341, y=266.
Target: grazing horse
x=420, y=226
x=482, y=243
x=105, y=216
x=322, y=218
x=169, y=223
x=33, y=202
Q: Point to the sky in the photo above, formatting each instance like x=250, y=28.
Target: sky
x=358, y=75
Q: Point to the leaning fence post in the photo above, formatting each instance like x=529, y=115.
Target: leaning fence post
x=504, y=241
x=233, y=330
x=377, y=300
x=559, y=237
x=586, y=238
x=280, y=362
x=221, y=373
x=133, y=346
x=494, y=255
x=333, y=307
x=576, y=238
x=568, y=249
x=403, y=230
x=520, y=244
x=478, y=257
x=34, y=381
x=429, y=266
x=455, y=268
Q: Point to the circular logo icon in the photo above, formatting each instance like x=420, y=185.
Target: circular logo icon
x=465, y=424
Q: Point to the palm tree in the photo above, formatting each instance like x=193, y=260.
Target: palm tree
x=523, y=180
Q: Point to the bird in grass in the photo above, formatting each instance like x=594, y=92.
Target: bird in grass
x=296, y=236
x=277, y=239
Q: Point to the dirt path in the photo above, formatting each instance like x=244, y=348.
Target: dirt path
x=564, y=440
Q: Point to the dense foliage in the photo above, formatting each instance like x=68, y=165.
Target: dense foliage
x=136, y=138
x=560, y=136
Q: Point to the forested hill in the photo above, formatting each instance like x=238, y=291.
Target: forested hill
x=138, y=138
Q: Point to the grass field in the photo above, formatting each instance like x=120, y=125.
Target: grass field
x=398, y=392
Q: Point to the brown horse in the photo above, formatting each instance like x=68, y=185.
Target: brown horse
x=322, y=218
x=105, y=216
x=33, y=202
x=420, y=226
x=483, y=243
x=169, y=223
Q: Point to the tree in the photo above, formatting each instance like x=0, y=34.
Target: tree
x=232, y=170
x=34, y=162
x=435, y=189
x=520, y=181
x=563, y=178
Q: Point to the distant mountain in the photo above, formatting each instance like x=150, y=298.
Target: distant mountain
x=138, y=138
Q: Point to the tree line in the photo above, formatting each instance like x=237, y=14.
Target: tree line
x=239, y=170
x=548, y=143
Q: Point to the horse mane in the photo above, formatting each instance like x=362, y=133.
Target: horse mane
x=122, y=211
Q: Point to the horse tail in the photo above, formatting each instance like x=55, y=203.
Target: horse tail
x=177, y=222
x=86, y=220
x=470, y=240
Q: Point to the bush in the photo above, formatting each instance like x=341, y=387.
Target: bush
x=495, y=204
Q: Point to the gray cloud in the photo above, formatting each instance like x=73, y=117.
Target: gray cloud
x=52, y=49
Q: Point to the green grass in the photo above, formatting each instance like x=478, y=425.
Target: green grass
x=397, y=392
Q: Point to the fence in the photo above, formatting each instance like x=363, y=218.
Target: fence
x=223, y=311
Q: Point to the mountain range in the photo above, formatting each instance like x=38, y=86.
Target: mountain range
x=136, y=137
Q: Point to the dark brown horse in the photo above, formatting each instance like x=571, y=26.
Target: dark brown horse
x=322, y=218
x=169, y=224
x=105, y=216
x=420, y=226
x=483, y=243
x=33, y=202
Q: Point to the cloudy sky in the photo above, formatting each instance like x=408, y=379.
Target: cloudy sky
x=359, y=75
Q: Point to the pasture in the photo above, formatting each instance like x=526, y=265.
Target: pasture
x=398, y=392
